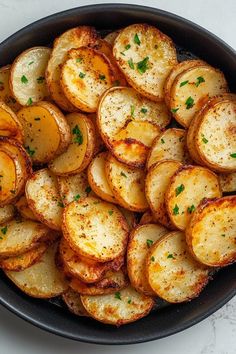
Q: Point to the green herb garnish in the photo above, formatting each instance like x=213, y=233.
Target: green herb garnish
x=191, y=209
x=189, y=102
x=144, y=110
x=4, y=230
x=110, y=212
x=78, y=135
x=29, y=151
x=24, y=79
x=170, y=256
x=31, y=62
x=179, y=190
x=76, y=197
x=129, y=301
x=176, y=210
x=136, y=39
x=131, y=64
x=102, y=77
x=152, y=259
x=81, y=75
x=142, y=65
x=233, y=155
x=78, y=60
x=162, y=141
x=132, y=108
x=117, y=295
x=223, y=235
x=183, y=83
x=205, y=141
x=200, y=79
x=149, y=243
x=123, y=174
x=88, y=189
x=174, y=110
x=29, y=102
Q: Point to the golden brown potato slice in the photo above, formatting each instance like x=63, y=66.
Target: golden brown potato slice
x=43, y=198
x=127, y=185
x=146, y=57
x=178, y=69
x=228, y=182
x=43, y=279
x=192, y=88
x=95, y=229
x=24, y=209
x=20, y=236
x=46, y=131
x=215, y=137
x=111, y=283
x=147, y=218
x=85, y=75
x=128, y=124
x=187, y=187
x=130, y=217
x=27, y=76
x=191, y=134
x=5, y=92
x=212, y=230
x=141, y=239
x=172, y=272
x=110, y=37
x=73, y=187
x=73, y=38
x=6, y=213
x=117, y=309
x=170, y=145
x=157, y=181
x=97, y=178
x=80, y=152
x=87, y=270
x=73, y=302
x=9, y=124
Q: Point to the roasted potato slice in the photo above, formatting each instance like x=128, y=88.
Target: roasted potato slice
x=110, y=37
x=43, y=198
x=227, y=182
x=95, y=229
x=80, y=152
x=73, y=38
x=73, y=302
x=6, y=213
x=170, y=145
x=27, y=76
x=192, y=88
x=172, y=273
x=43, y=121
x=128, y=123
x=141, y=239
x=43, y=279
x=146, y=57
x=127, y=185
x=187, y=187
x=215, y=137
x=97, y=178
x=123, y=307
x=130, y=217
x=73, y=187
x=9, y=124
x=111, y=283
x=212, y=230
x=5, y=93
x=24, y=209
x=20, y=236
x=147, y=218
x=157, y=181
x=85, y=75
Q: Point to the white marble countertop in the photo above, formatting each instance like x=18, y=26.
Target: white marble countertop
x=216, y=334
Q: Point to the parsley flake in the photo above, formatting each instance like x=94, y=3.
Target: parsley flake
x=4, y=230
x=200, y=79
x=223, y=235
x=76, y=197
x=24, y=79
x=29, y=102
x=176, y=210
x=204, y=140
x=174, y=110
x=233, y=155
x=110, y=212
x=189, y=102
x=152, y=259
x=127, y=47
x=129, y=301
x=149, y=243
x=191, y=209
x=131, y=64
x=143, y=110
x=78, y=60
x=78, y=135
x=31, y=62
x=136, y=39
x=88, y=189
x=179, y=190
x=183, y=83
x=170, y=256
x=162, y=141
x=117, y=295
x=142, y=65
x=123, y=174
x=81, y=75
x=29, y=151
x=132, y=108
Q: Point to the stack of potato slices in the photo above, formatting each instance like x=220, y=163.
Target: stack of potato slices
x=117, y=172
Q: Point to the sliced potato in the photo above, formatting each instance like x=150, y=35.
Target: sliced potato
x=192, y=88
x=127, y=185
x=27, y=76
x=97, y=178
x=99, y=143
x=146, y=57
x=172, y=272
x=6, y=213
x=95, y=229
x=5, y=92
x=20, y=236
x=73, y=187
x=157, y=181
x=24, y=209
x=170, y=145
x=9, y=124
x=211, y=232
x=215, y=138
x=80, y=152
x=87, y=270
x=130, y=217
x=43, y=198
x=41, y=280
x=129, y=123
x=178, y=69
x=141, y=239
x=120, y=308
x=191, y=134
x=85, y=75
x=111, y=283
x=147, y=218
x=73, y=302
x=187, y=187
x=73, y=38
x=228, y=182
x=43, y=121
x=110, y=37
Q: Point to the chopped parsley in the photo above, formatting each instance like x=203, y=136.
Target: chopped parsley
x=78, y=135
x=60, y=204
x=29, y=151
x=162, y=141
x=189, y=102
x=24, y=79
x=29, y=102
x=76, y=197
x=117, y=295
x=40, y=79
x=127, y=47
x=123, y=174
x=223, y=235
x=88, y=189
x=183, y=83
x=129, y=301
x=142, y=66
x=152, y=259
x=131, y=64
x=179, y=190
x=102, y=77
x=78, y=60
x=132, y=108
x=191, y=209
x=110, y=212
x=4, y=230
x=205, y=141
x=200, y=79
x=144, y=110
x=233, y=155
x=81, y=75
x=36, y=118
x=149, y=243
x=176, y=210
x=170, y=256
x=31, y=62
x=174, y=110
x=136, y=39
